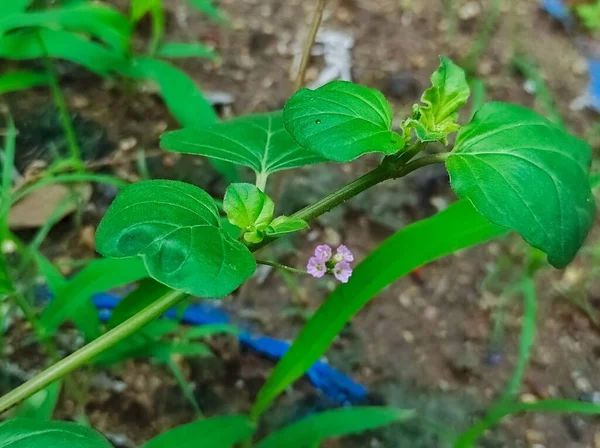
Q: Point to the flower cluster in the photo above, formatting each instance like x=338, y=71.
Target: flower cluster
x=325, y=262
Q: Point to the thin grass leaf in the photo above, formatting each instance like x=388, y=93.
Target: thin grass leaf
x=183, y=98
x=67, y=179
x=25, y=44
x=419, y=244
x=96, y=20
x=215, y=432
x=311, y=430
x=209, y=330
x=207, y=7
x=8, y=7
x=22, y=80
x=99, y=276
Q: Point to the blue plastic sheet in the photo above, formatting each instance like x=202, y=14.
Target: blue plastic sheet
x=336, y=386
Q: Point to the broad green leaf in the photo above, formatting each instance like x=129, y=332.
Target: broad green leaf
x=247, y=206
x=521, y=171
x=175, y=228
x=448, y=92
x=28, y=433
x=207, y=7
x=285, y=224
x=96, y=20
x=409, y=248
x=258, y=141
x=22, y=80
x=342, y=121
x=335, y=423
x=25, y=44
x=147, y=292
x=99, y=276
x=8, y=7
x=184, y=50
x=215, y=432
x=40, y=406
x=182, y=96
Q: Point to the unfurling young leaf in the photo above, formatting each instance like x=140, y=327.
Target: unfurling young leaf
x=342, y=121
x=523, y=172
x=176, y=229
x=285, y=224
x=258, y=141
x=247, y=206
x=449, y=90
x=250, y=209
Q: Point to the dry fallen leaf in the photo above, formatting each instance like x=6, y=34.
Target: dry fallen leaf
x=35, y=209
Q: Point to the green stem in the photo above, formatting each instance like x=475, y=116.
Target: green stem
x=70, y=383
x=283, y=267
x=63, y=112
x=85, y=354
x=94, y=348
x=261, y=181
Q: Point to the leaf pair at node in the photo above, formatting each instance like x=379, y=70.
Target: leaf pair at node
x=252, y=211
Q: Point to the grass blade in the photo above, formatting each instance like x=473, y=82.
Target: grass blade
x=336, y=423
x=216, y=432
x=22, y=80
x=458, y=227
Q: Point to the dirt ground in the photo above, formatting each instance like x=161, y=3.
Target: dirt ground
x=426, y=342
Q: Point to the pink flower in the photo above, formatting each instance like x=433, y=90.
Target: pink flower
x=323, y=253
x=343, y=254
x=342, y=271
x=316, y=267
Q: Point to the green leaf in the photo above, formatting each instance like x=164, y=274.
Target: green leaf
x=448, y=92
x=99, y=276
x=138, y=345
x=148, y=292
x=175, y=228
x=523, y=172
x=409, y=248
x=258, y=141
x=247, y=206
x=25, y=44
x=96, y=20
x=342, y=121
x=27, y=433
x=335, y=423
x=40, y=406
x=13, y=6
x=184, y=50
x=284, y=224
x=215, y=432
x=139, y=8
x=183, y=98
x=206, y=7
x=22, y=80
x=209, y=330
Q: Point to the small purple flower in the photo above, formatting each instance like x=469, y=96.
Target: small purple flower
x=316, y=267
x=342, y=271
x=323, y=253
x=344, y=254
